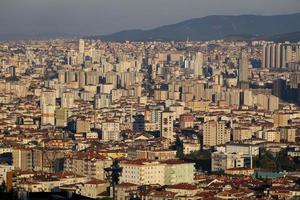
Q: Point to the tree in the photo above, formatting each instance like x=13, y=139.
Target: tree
x=201, y=158
x=284, y=163
x=279, y=162
x=113, y=174
x=3, y=187
x=179, y=149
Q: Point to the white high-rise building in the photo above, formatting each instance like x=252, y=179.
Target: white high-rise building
x=283, y=57
x=198, y=64
x=263, y=58
x=266, y=102
x=81, y=51
x=48, y=105
x=67, y=100
x=298, y=53
x=289, y=54
x=268, y=56
x=48, y=115
x=102, y=101
x=47, y=98
x=278, y=55
x=81, y=46
x=247, y=98
x=82, y=78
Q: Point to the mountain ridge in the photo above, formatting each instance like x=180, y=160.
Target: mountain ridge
x=212, y=27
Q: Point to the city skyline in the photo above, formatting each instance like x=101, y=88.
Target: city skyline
x=207, y=108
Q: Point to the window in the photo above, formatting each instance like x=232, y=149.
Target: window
x=165, y=121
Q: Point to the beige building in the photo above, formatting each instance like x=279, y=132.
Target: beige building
x=146, y=172
x=271, y=136
x=177, y=109
x=67, y=100
x=198, y=64
x=151, y=126
x=110, y=131
x=287, y=134
x=48, y=184
x=48, y=160
x=61, y=117
x=215, y=133
x=240, y=171
x=186, y=121
x=160, y=95
x=240, y=134
x=48, y=115
x=93, y=189
x=166, y=129
x=266, y=102
x=151, y=154
x=243, y=67
x=48, y=105
x=247, y=98
x=189, y=147
x=87, y=164
x=223, y=161
x=178, y=171
x=47, y=98
x=201, y=105
x=22, y=159
x=281, y=119
x=123, y=190
x=142, y=172
x=82, y=125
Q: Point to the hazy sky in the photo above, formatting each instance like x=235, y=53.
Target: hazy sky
x=27, y=17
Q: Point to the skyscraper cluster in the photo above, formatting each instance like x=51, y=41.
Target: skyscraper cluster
x=279, y=55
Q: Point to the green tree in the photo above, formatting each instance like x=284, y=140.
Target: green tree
x=279, y=162
x=202, y=159
x=284, y=163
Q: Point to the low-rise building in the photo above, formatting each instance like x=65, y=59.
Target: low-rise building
x=146, y=172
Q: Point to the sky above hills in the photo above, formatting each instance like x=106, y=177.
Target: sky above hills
x=21, y=18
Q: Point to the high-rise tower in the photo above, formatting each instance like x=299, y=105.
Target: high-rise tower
x=81, y=51
x=243, y=70
x=198, y=64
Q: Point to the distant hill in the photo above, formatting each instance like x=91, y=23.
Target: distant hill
x=292, y=37
x=214, y=27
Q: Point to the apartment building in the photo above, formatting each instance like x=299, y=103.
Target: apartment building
x=146, y=172
x=87, y=164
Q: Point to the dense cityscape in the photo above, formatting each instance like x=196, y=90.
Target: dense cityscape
x=150, y=120
x=149, y=100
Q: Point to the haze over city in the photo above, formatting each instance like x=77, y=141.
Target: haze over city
x=23, y=18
